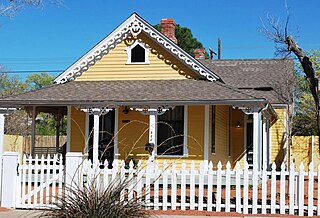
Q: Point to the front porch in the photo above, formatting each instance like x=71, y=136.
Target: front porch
x=181, y=133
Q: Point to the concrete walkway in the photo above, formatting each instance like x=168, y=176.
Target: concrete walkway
x=20, y=214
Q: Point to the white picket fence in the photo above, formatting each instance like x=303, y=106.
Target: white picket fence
x=39, y=182
x=201, y=188
x=170, y=186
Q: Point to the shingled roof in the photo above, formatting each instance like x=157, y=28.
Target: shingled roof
x=134, y=92
x=263, y=78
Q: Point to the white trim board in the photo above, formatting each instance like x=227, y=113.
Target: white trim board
x=133, y=25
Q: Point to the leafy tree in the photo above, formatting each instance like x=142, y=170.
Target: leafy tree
x=38, y=81
x=186, y=41
x=10, y=85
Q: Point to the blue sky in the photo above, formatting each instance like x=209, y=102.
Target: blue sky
x=52, y=38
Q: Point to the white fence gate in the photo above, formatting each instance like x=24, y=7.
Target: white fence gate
x=40, y=182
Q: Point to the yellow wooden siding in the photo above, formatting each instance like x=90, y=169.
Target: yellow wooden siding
x=278, y=138
x=196, y=132
x=78, y=125
x=237, y=137
x=113, y=65
x=133, y=134
x=305, y=152
x=222, y=136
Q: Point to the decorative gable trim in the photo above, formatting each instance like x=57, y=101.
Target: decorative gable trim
x=134, y=25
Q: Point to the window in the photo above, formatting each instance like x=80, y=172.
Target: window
x=213, y=129
x=138, y=53
x=170, y=135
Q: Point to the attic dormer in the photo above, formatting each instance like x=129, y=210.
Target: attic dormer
x=138, y=53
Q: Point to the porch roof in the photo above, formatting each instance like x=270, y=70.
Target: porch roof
x=134, y=92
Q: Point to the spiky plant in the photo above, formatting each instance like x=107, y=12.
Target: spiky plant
x=92, y=202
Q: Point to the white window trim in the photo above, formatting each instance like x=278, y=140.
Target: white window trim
x=146, y=50
x=185, y=137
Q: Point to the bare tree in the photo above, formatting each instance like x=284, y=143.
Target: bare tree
x=9, y=8
x=277, y=31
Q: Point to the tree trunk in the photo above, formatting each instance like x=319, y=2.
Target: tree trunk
x=309, y=72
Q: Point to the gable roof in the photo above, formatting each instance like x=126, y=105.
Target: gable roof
x=267, y=78
x=133, y=25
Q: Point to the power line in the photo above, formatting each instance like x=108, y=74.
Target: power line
x=32, y=71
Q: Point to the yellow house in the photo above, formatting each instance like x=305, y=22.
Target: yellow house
x=138, y=95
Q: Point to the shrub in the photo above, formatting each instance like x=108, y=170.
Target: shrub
x=91, y=202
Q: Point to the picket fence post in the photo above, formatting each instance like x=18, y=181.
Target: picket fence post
x=273, y=188
x=301, y=190
x=192, y=186
x=73, y=168
x=282, y=189
x=238, y=188
x=156, y=186
x=9, y=183
x=255, y=189
x=245, y=187
x=227, y=197
x=310, y=190
x=165, y=185
x=200, y=192
x=183, y=185
x=219, y=178
x=264, y=189
x=291, y=188
x=210, y=183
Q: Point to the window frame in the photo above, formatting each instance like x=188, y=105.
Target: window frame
x=185, y=136
x=146, y=52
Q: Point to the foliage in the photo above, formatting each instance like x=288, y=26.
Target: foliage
x=17, y=122
x=10, y=85
x=93, y=202
x=186, y=41
x=304, y=122
x=38, y=81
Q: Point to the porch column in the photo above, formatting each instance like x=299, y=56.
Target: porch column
x=33, y=131
x=265, y=143
x=257, y=131
x=152, y=130
x=96, y=112
x=2, y=118
x=95, y=150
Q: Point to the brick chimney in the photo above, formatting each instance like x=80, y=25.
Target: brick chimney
x=168, y=26
x=200, y=53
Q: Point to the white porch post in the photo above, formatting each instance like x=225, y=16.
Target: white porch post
x=2, y=118
x=257, y=140
x=95, y=150
x=152, y=130
x=33, y=133
x=206, y=133
x=265, y=144
x=68, y=128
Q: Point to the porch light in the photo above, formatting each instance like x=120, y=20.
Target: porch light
x=126, y=110
x=238, y=125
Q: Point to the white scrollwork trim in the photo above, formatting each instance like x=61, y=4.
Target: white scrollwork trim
x=134, y=26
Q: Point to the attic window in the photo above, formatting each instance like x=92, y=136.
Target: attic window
x=138, y=53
